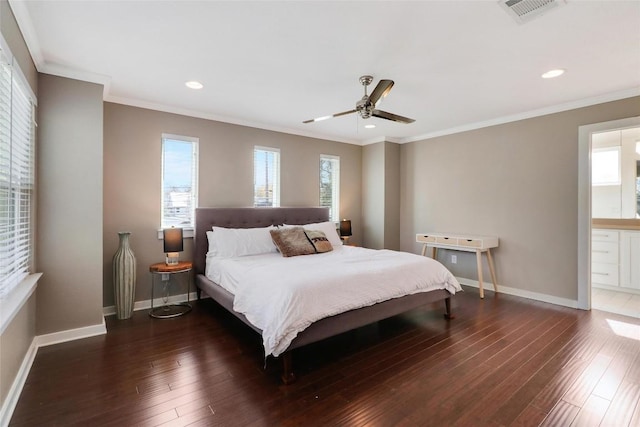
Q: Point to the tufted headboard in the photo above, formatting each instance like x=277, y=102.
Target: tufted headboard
x=246, y=218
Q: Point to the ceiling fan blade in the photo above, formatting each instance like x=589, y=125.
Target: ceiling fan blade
x=382, y=89
x=390, y=116
x=319, y=119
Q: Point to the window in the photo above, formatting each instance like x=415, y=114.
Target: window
x=330, y=185
x=605, y=166
x=179, y=180
x=266, y=177
x=17, y=145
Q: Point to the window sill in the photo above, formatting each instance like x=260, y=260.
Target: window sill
x=12, y=303
x=187, y=233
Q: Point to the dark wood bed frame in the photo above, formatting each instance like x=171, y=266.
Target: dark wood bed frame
x=330, y=326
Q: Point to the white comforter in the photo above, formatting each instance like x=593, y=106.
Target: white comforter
x=283, y=296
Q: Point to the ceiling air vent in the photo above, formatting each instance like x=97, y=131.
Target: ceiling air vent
x=525, y=10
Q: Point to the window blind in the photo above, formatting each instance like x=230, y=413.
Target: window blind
x=179, y=180
x=330, y=185
x=266, y=177
x=17, y=146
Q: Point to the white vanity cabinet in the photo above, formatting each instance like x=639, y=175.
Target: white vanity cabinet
x=615, y=259
x=605, y=257
x=630, y=259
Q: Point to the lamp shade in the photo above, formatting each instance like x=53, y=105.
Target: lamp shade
x=345, y=227
x=172, y=240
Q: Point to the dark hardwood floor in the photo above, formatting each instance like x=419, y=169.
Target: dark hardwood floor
x=504, y=361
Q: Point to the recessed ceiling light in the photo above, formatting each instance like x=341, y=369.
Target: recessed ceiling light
x=369, y=126
x=194, y=85
x=553, y=73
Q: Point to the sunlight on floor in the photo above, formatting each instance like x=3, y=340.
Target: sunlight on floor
x=623, y=329
x=616, y=302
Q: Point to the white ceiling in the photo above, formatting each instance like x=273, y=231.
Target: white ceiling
x=456, y=64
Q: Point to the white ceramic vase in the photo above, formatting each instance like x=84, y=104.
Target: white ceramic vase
x=124, y=277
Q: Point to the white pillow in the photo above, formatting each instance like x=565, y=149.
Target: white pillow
x=328, y=228
x=236, y=242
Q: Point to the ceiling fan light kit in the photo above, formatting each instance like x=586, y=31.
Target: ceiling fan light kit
x=366, y=106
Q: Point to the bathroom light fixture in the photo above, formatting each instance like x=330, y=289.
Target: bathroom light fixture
x=553, y=73
x=194, y=84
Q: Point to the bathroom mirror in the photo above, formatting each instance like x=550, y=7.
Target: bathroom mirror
x=615, y=174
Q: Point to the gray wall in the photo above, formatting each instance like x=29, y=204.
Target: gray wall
x=17, y=337
x=14, y=344
x=132, y=168
x=392, y=196
x=69, y=239
x=13, y=37
x=381, y=195
x=373, y=195
x=518, y=181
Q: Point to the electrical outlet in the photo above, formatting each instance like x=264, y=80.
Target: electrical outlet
x=454, y=259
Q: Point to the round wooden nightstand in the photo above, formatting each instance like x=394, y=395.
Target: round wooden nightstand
x=164, y=272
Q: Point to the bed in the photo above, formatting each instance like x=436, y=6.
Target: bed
x=246, y=218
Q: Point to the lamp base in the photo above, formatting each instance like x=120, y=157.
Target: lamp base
x=172, y=258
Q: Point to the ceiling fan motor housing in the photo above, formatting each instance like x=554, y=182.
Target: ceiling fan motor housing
x=364, y=107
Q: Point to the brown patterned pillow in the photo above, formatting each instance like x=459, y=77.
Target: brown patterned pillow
x=292, y=241
x=319, y=241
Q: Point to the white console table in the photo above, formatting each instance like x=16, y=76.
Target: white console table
x=463, y=242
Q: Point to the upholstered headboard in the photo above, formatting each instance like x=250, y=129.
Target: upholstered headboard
x=246, y=218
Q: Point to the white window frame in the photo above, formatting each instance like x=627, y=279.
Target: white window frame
x=275, y=196
x=17, y=159
x=193, y=200
x=334, y=207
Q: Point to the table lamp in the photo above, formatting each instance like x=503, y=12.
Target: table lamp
x=345, y=229
x=172, y=244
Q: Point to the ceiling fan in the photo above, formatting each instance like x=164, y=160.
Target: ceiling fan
x=366, y=106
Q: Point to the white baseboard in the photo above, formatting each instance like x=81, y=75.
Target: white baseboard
x=521, y=293
x=71, y=334
x=146, y=304
x=11, y=400
x=9, y=404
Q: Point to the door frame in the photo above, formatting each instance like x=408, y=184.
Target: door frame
x=584, y=201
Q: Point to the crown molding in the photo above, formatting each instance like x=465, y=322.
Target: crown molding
x=586, y=102
x=208, y=116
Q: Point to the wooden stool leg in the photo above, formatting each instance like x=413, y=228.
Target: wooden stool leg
x=479, y=262
x=434, y=252
x=492, y=270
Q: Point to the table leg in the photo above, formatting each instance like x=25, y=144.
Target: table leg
x=424, y=249
x=434, y=252
x=492, y=270
x=153, y=284
x=479, y=262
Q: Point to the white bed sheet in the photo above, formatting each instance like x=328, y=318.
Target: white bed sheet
x=283, y=296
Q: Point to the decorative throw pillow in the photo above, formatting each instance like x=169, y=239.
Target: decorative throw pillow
x=328, y=228
x=292, y=241
x=319, y=241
